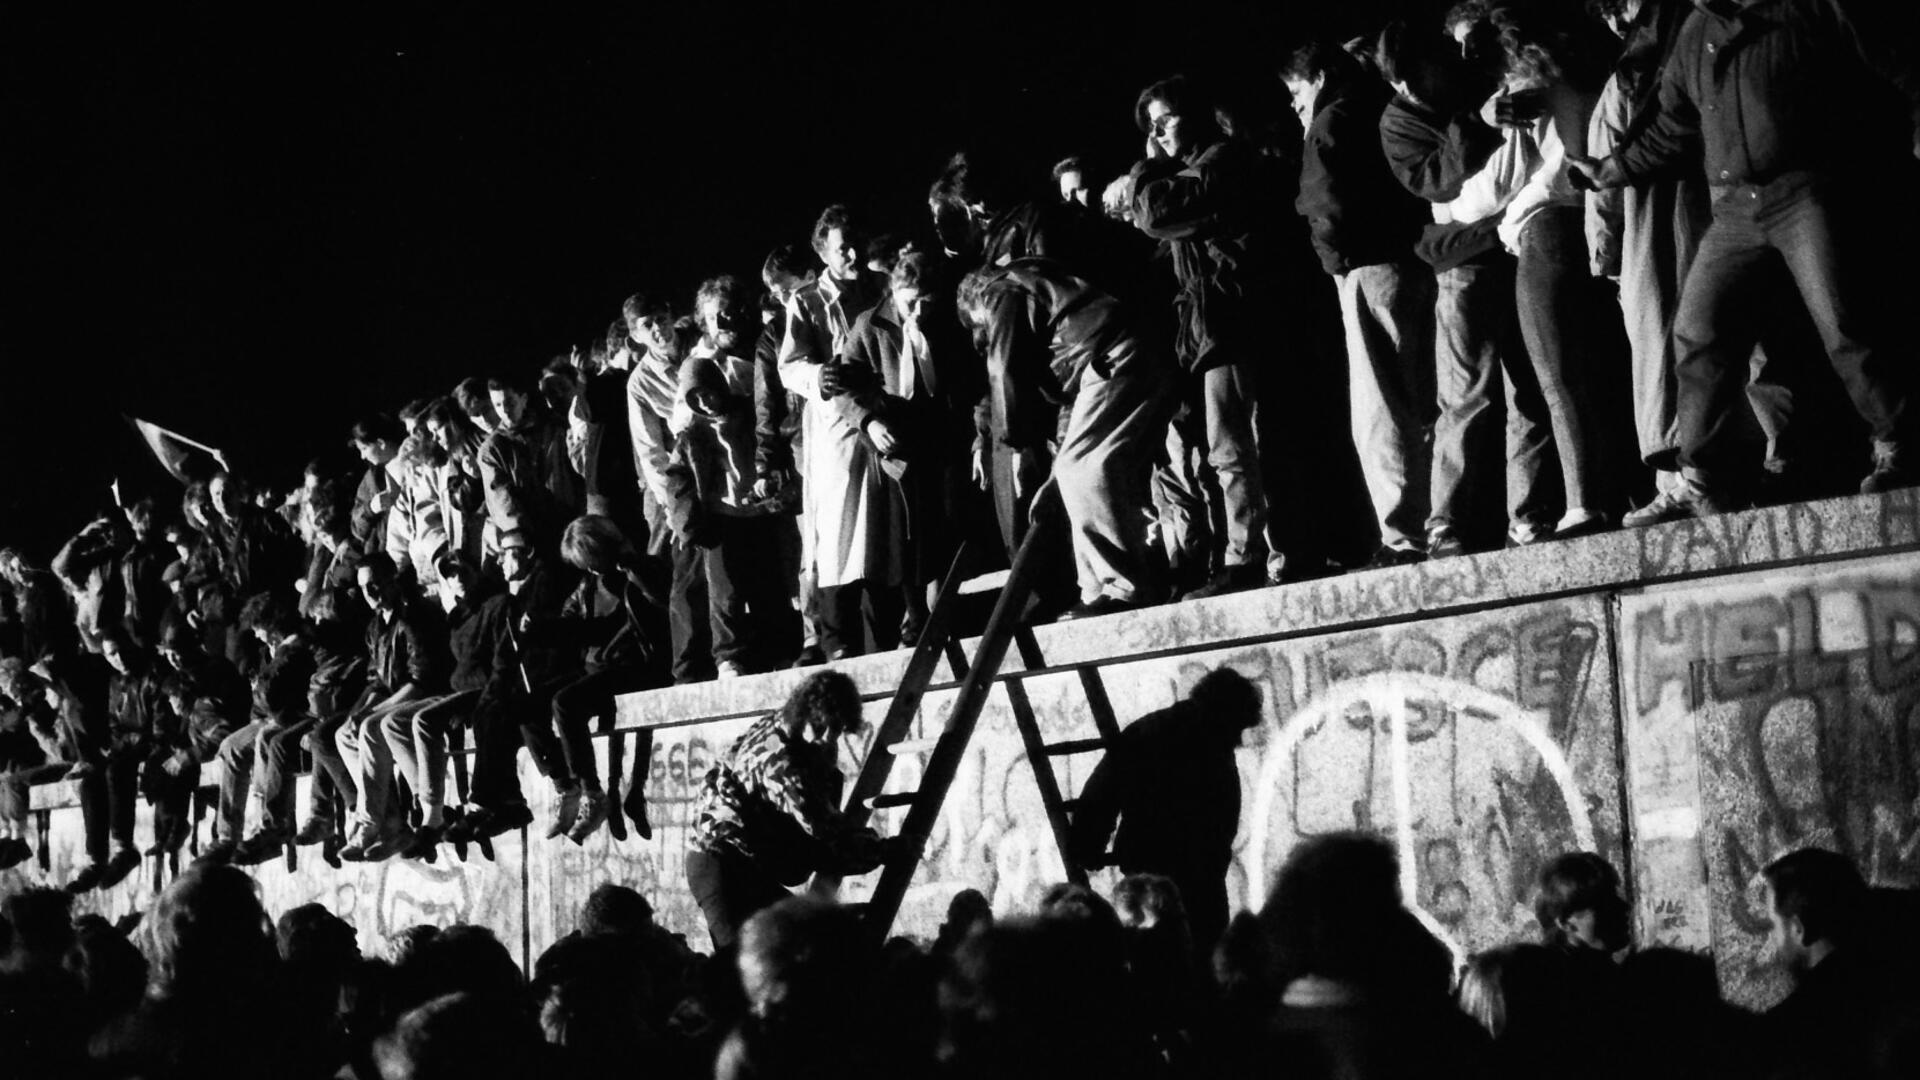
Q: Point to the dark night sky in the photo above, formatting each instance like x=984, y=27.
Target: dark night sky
x=254, y=230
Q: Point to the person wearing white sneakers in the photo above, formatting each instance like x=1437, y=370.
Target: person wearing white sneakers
x=615, y=617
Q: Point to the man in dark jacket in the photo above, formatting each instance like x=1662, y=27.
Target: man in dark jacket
x=406, y=662
x=109, y=787
x=529, y=482
x=517, y=701
x=925, y=411
x=1201, y=191
x=1769, y=93
x=1065, y=365
x=417, y=733
x=1172, y=784
x=1849, y=1006
x=1434, y=142
x=1365, y=226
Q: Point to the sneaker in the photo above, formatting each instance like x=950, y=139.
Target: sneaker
x=1889, y=473
x=1666, y=506
x=568, y=810
x=316, y=830
x=1232, y=579
x=593, y=814
x=1578, y=523
x=1528, y=533
x=124, y=862
x=330, y=849
x=727, y=669
x=358, y=842
x=1096, y=607
x=810, y=656
x=1688, y=500
x=87, y=877
x=1388, y=557
x=1444, y=543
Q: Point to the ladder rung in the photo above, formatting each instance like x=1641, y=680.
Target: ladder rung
x=1075, y=746
x=913, y=746
x=887, y=800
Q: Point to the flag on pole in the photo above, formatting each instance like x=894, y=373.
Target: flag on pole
x=183, y=458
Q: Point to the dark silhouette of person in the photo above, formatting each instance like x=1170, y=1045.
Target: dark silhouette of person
x=1171, y=782
x=1851, y=1011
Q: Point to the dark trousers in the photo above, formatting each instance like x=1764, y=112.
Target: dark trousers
x=276, y=758
x=108, y=797
x=1810, y=228
x=577, y=704
x=745, y=596
x=1477, y=353
x=729, y=887
x=496, y=738
x=1559, y=321
x=853, y=613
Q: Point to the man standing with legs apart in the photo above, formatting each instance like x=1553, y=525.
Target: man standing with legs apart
x=1770, y=92
x=1365, y=226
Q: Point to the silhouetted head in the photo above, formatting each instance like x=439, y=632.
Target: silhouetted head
x=1579, y=904
x=1817, y=902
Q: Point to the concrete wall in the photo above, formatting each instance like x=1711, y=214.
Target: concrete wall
x=1689, y=700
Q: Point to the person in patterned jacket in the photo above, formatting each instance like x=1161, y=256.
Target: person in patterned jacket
x=768, y=814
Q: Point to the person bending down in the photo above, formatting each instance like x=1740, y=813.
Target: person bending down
x=1067, y=366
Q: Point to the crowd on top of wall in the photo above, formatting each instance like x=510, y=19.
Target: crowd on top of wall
x=1578, y=256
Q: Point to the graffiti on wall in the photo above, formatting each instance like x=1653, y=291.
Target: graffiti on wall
x=1799, y=693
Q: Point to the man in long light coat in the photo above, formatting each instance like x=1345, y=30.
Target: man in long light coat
x=847, y=506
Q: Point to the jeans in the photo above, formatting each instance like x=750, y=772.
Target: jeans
x=417, y=744
x=276, y=757
x=236, y=775
x=1105, y=472
x=1477, y=351
x=1558, y=319
x=1805, y=225
x=108, y=798
x=370, y=761
x=729, y=887
x=687, y=620
x=1180, y=506
x=1388, y=313
x=1229, y=396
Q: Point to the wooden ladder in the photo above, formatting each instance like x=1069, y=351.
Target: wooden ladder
x=945, y=752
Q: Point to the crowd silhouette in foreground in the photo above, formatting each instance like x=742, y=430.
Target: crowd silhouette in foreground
x=1331, y=978
x=1568, y=258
